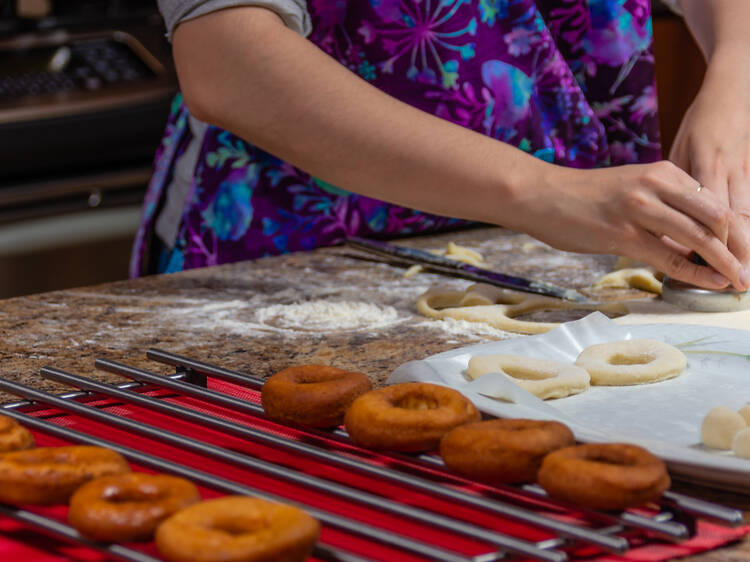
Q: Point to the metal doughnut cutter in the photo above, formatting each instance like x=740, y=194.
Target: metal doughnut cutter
x=691, y=297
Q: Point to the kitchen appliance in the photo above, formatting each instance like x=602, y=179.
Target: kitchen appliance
x=205, y=423
x=85, y=90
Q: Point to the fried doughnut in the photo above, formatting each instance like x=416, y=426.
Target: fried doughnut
x=631, y=362
x=238, y=529
x=502, y=451
x=314, y=395
x=544, y=378
x=610, y=476
x=128, y=507
x=13, y=436
x=50, y=475
x=409, y=417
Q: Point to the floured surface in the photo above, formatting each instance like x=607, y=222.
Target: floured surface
x=665, y=416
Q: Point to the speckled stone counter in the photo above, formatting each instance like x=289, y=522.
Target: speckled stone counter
x=213, y=314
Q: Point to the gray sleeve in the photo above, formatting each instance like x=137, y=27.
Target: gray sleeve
x=293, y=12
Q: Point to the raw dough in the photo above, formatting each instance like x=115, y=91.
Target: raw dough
x=643, y=278
x=745, y=413
x=741, y=443
x=453, y=251
x=542, y=377
x=631, y=362
x=498, y=307
x=720, y=426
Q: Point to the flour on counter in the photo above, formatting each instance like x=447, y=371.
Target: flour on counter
x=322, y=315
x=476, y=330
x=245, y=317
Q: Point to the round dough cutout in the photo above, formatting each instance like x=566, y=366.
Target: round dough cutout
x=630, y=362
x=544, y=378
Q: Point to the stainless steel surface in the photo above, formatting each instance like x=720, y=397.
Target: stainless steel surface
x=694, y=298
x=456, y=268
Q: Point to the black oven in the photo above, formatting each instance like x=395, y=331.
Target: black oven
x=85, y=90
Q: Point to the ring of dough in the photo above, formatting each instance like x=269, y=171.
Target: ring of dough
x=499, y=307
x=544, y=378
x=631, y=362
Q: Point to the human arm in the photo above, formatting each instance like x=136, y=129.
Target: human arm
x=713, y=142
x=242, y=70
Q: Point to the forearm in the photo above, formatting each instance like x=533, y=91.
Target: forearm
x=274, y=88
x=720, y=27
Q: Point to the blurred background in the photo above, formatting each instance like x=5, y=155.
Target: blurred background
x=85, y=89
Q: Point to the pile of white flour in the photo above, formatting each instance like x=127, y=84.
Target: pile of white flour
x=323, y=315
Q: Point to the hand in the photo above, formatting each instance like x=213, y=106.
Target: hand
x=651, y=212
x=713, y=142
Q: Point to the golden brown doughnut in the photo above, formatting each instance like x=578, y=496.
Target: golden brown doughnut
x=128, y=507
x=314, y=395
x=604, y=476
x=502, y=451
x=50, y=475
x=13, y=436
x=408, y=417
x=238, y=529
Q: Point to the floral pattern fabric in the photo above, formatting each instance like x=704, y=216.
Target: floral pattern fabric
x=569, y=81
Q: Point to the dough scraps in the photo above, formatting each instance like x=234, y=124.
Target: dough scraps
x=453, y=251
x=542, y=377
x=637, y=361
x=643, y=278
x=499, y=307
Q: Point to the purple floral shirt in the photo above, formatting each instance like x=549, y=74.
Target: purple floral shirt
x=569, y=81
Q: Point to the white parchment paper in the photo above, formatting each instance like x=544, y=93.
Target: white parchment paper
x=664, y=417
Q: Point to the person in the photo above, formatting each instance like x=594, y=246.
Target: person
x=301, y=123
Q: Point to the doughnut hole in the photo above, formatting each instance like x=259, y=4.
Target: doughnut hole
x=741, y=443
x=745, y=413
x=720, y=426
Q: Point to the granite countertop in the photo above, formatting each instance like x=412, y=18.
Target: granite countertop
x=228, y=315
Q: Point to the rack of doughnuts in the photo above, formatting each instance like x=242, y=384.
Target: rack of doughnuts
x=298, y=483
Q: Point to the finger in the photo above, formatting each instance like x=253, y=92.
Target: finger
x=739, y=200
x=675, y=265
x=694, y=235
x=703, y=206
x=679, y=248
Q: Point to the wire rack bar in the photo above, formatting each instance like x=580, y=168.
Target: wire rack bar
x=69, y=534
